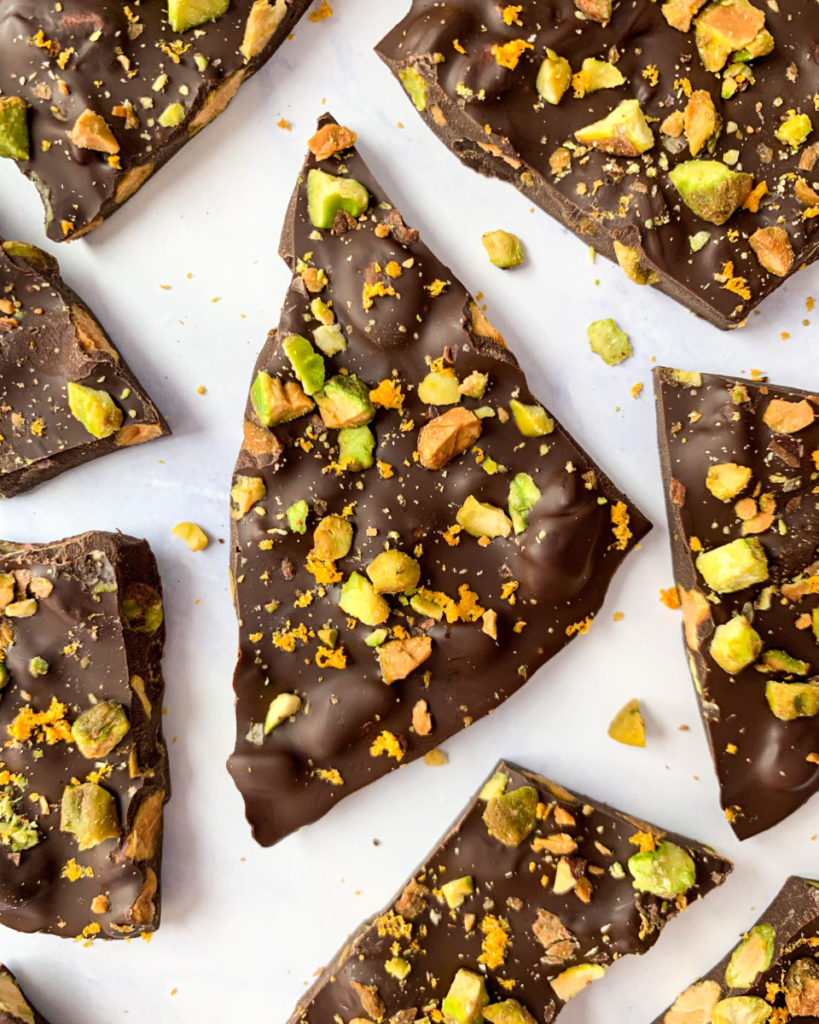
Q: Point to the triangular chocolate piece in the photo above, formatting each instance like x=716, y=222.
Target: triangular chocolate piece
x=771, y=975
x=14, y=1007
x=66, y=395
x=531, y=896
x=413, y=534
x=739, y=461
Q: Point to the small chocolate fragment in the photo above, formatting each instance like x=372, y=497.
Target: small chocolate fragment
x=66, y=395
x=739, y=461
x=452, y=537
x=82, y=736
x=14, y=1007
x=106, y=93
x=771, y=974
x=510, y=932
x=687, y=156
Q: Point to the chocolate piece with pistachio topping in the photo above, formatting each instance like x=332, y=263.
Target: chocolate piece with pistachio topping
x=688, y=154
x=66, y=395
x=739, y=461
x=417, y=436
x=532, y=895
x=771, y=974
x=14, y=1007
x=95, y=96
x=84, y=774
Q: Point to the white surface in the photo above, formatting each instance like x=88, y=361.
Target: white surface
x=243, y=929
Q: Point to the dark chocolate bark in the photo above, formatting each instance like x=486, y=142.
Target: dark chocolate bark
x=48, y=338
x=153, y=88
x=752, y=650
x=472, y=66
x=774, y=970
x=14, y=1007
x=486, y=612
x=534, y=916
x=81, y=643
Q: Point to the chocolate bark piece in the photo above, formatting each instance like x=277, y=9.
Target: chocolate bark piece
x=739, y=467
x=85, y=771
x=14, y=1007
x=508, y=89
x=501, y=550
x=527, y=915
x=66, y=395
x=113, y=90
x=773, y=972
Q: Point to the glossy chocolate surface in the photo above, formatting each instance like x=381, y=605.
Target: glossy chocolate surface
x=92, y=654
x=513, y=889
x=767, y=768
x=492, y=118
x=109, y=54
x=552, y=577
x=48, y=337
x=794, y=919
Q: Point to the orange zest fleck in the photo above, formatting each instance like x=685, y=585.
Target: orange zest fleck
x=670, y=598
x=510, y=53
x=620, y=525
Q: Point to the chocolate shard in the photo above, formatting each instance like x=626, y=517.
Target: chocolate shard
x=413, y=534
x=14, y=1007
x=66, y=395
x=516, y=925
x=771, y=974
x=84, y=766
x=739, y=464
x=615, y=123
x=105, y=93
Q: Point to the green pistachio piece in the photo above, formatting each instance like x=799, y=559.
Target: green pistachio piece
x=275, y=402
x=494, y=787
x=623, y=132
x=333, y=538
x=394, y=572
x=15, y=142
x=735, y=645
x=185, y=14
x=666, y=871
x=802, y=987
x=16, y=831
x=5, y=675
x=359, y=599
x=628, y=726
x=245, y=493
x=306, y=362
x=695, y=1005
x=741, y=1010
x=725, y=27
x=789, y=701
x=344, y=401
x=512, y=816
x=483, y=520
x=523, y=496
x=38, y=667
x=456, y=891
x=172, y=115
x=474, y=386
x=13, y=1002
x=597, y=74
x=794, y=130
x=376, y=638
x=327, y=194
x=710, y=189
x=297, y=515
x=89, y=813
x=725, y=480
x=466, y=998
x=281, y=708
x=504, y=249
x=355, y=448
x=553, y=78
x=100, y=728
x=142, y=608
x=734, y=566
x=688, y=378
x=415, y=86
x=573, y=980
x=423, y=606
x=95, y=409
x=531, y=420
x=781, y=661
x=329, y=339
x=751, y=957
x=439, y=388
x=398, y=967
x=7, y=589
x=510, y=1011
x=609, y=342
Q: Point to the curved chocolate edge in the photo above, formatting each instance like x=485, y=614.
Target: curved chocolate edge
x=53, y=337
x=80, y=187
x=615, y=922
x=769, y=776
x=10, y=990
x=279, y=777
x=507, y=139
x=92, y=575
x=794, y=916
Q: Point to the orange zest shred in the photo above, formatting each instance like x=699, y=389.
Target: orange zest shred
x=387, y=743
x=644, y=840
x=579, y=627
x=732, y=282
x=755, y=197
x=331, y=775
x=388, y=395
x=322, y=569
x=49, y=725
x=375, y=291
x=329, y=657
x=496, y=939
x=670, y=598
x=510, y=53
x=619, y=525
